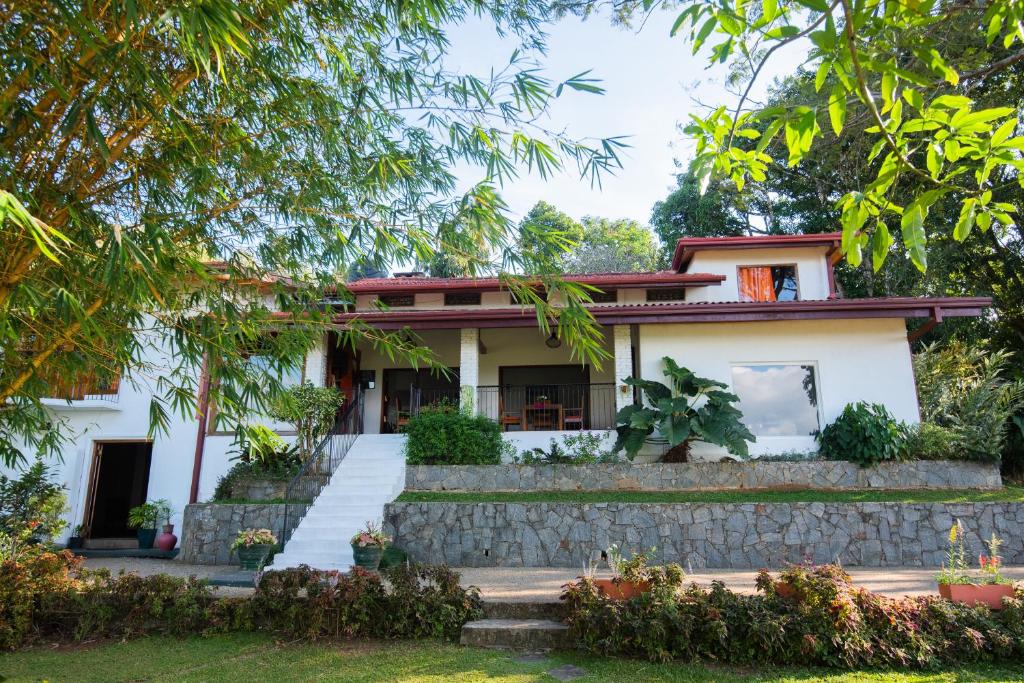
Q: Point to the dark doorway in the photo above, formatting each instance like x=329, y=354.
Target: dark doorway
x=120, y=481
x=407, y=390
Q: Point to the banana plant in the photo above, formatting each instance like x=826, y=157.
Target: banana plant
x=688, y=409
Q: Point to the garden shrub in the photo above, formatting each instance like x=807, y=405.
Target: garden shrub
x=49, y=597
x=444, y=435
x=863, y=433
x=32, y=500
x=576, y=449
x=927, y=441
x=805, y=616
x=965, y=389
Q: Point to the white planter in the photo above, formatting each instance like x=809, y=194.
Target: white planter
x=653, y=450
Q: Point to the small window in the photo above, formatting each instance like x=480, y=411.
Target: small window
x=610, y=296
x=397, y=300
x=768, y=283
x=462, y=299
x=777, y=400
x=669, y=294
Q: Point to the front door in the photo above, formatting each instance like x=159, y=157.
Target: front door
x=120, y=481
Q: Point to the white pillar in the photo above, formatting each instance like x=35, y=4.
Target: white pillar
x=469, y=367
x=315, y=370
x=623, y=365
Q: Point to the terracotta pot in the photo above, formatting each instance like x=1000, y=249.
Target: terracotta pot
x=785, y=590
x=990, y=594
x=167, y=540
x=621, y=590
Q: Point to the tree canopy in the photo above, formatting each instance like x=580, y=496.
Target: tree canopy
x=915, y=72
x=171, y=172
x=591, y=244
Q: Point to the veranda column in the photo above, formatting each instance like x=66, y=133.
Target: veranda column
x=469, y=367
x=623, y=365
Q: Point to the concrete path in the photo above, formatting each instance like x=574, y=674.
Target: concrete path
x=536, y=584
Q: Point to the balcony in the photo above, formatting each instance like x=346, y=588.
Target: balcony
x=549, y=407
x=86, y=393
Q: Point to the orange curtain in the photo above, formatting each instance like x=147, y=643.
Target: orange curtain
x=756, y=284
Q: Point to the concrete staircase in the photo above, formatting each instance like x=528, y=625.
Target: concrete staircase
x=530, y=626
x=372, y=474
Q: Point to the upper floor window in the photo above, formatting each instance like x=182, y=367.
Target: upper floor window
x=396, y=300
x=669, y=294
x=609, y=296
x=462, y=299
x=768, y=283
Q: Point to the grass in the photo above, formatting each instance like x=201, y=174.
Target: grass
x=256, y=657
x=1009, y=494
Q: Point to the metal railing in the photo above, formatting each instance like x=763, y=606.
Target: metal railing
x=549, y=406
x=316, y=472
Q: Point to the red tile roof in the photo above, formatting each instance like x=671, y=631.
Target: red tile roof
x=711, y=311
x=646, y=280
x=686, y=247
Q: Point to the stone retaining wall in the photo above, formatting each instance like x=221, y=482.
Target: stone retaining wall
x=733, y=536
x=819, y=474
x=209, y=529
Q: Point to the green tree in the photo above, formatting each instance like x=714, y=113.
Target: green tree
x=286, y=140
x=546, y=233
x=613, y=246
x=903, y=67
x=720, y=211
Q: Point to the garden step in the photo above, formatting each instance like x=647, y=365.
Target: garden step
x=516, y=609
x=516, y=634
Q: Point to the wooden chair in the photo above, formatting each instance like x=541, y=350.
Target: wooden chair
x=402, y=417
x=572, y=418
x=508, y=418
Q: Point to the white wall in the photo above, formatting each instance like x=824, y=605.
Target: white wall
x=811, y=270
x=856, y=360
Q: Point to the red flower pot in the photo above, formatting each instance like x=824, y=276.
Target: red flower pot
x=621, y=590
x=167, y=540
x=989, y=594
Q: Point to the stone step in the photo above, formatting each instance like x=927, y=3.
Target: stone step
x=516, y=634
x=517, y=609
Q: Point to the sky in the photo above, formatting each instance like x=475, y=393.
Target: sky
x=652, y=84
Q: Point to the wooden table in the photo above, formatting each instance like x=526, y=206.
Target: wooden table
x=555, y=409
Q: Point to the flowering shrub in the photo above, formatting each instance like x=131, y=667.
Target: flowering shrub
x=955, y=569
x=370, y=537
x=32, y=506
x=804, y=616
x=51, y=598
x=251, y=537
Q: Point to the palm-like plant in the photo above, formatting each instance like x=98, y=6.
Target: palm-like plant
x=688, y=409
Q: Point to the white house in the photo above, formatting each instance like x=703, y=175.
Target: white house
x=760, y=314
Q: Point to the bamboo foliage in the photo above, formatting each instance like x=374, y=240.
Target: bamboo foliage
x=285, y=140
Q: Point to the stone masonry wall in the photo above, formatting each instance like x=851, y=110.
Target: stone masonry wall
x=734, y=536
x=209, y=529
x=821, y=474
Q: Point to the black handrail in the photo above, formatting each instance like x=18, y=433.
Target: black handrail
x=316, y=472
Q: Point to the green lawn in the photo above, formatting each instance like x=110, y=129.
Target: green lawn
x=1010, y=494
x=252, y=657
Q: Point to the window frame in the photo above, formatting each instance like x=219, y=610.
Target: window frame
x=796, y=278
x=612, y=296
x=818, y=406
x=411, y=297
x=453, y=295
x=660, y=290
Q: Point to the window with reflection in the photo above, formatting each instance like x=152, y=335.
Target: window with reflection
x=777, y=399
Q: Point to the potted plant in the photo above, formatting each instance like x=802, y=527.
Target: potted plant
x=143, y=518
x=689, y=409
x=77, y=538
x=957, y=584
x=630, y=577
x=255, y=547
x=166, y=540
x=368, y=546
x=540, y=401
